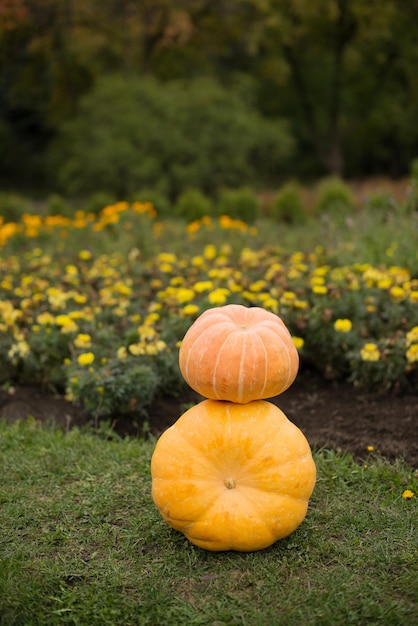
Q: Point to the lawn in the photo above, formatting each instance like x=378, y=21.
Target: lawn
x=82, y=543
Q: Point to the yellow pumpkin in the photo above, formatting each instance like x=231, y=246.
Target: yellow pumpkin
x=231, y=476
x=239, y=354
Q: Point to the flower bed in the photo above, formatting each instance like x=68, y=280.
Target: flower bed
x=95, y=306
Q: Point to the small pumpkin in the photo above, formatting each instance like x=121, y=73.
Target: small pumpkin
x=239, y=354
x=231, y=476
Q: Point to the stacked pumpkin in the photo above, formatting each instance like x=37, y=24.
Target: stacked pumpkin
x=233, y=473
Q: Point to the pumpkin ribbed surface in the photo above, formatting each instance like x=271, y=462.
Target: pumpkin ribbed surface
x=239, y=354
x=233, y=477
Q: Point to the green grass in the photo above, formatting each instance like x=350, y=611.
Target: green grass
x=82, y=543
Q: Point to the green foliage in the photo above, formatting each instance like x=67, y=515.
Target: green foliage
x=118, y=387
x=158, y=199
x=13, y=206
x=91, y=531
x=134, y=133
x=334, y=198
x=58, y=205
x=345, y=82
x=192, y=204
x=241, y=203
x=287, y=206
x=98, y=201
x=380, y=201
x=411, y=204
x=414, y=171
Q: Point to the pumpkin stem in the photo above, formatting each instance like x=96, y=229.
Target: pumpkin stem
x=229, y=483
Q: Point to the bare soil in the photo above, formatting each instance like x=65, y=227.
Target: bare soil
x=330, y=414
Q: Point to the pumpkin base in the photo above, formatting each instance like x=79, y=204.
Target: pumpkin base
x=269, y=470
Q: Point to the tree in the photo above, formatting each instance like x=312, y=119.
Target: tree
x=133, y=133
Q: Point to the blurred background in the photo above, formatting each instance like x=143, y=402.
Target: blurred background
x=138, y=97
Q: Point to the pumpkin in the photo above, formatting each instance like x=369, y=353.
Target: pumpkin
x=232, y=476
x=239, y=354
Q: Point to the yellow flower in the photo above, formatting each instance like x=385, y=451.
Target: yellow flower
x=397, y=293
x=271, y=304
x=298, y=342
x=343, y=325
x=123, y=289
x=370, y=352
x=82, y=341
x=184, y=295
x=84, y=255
x=147, y=333
x=384, y=283
x=317, y=280
x=45, y=319
x=412, y=336
x=319, y=289
x=136, y=349
x=122, y=353
x=218, y=296
x=408, y=494
x=412, y=353
x=197, y=261
x=20, y=349
x=370, y=448
x=210, y=251
x=259, y=285
x=72, y=270
x=190, y=309
x=167, y=257
x=61, y=320
x=86, y=358
x=203, y=285
x=288, y=298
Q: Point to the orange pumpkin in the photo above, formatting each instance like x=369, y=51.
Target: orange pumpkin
x=231, y=476
x=239, y=354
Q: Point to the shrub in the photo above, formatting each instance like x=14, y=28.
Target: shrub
x=13, y=206
x=414, y=171
x=192, y=204
x=135, y=133
x=380, y=201
x=334, y=197
x=158, y=199
x=287, y=205
x=239, y=203
x=412, y=200
x=98, y=201
x=57, y=205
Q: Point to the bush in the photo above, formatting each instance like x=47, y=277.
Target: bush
x=412, y=200
x=158, y=200
x=287, y=206
x=57, y=205
x=192, y=205
x=380, y=201
x=239, y=203
x=334, y=198
x=138, y=133
x=13, y=206
x=98, y=201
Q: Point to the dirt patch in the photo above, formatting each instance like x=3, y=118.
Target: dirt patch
x=331, y=415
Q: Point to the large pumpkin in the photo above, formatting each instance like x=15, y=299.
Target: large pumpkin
x=231, y=476
x=239, y=354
